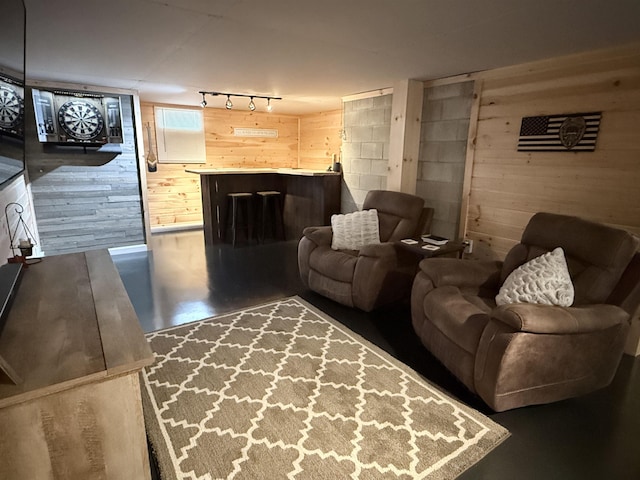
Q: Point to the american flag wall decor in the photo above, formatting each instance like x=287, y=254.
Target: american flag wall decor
x=576, y=132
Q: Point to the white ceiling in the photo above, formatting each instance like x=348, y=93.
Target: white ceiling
x=311, y=53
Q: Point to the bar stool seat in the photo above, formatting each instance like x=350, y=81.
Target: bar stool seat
x=239, y=212
x=270, y=217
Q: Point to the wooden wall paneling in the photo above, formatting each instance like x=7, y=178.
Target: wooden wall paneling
x=563, y=79
x=530, y=106
x=320, y=139
x=502, y=223
x=508, y=187
x=490, y=247
x=570, y=175
x=174, y=195
x=564, y=63
x=226, y=150
x=567, y=199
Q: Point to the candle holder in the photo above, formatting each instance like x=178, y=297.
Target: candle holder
x=24, y=245
x=26, y=248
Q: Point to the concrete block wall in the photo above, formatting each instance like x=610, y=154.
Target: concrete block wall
x=365, y=148
x=443, y=144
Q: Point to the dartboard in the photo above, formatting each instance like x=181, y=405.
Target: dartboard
x=11, y=107
x=80, y=119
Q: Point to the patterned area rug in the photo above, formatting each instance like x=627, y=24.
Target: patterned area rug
x=281, y=391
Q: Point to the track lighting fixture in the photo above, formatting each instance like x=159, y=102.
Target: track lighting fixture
x=229, y=104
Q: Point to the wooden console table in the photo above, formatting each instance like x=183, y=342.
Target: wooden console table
x=310, y=196
x=75, y=342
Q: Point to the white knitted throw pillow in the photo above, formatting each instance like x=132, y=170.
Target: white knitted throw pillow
x=544, y=279
x=354, y=230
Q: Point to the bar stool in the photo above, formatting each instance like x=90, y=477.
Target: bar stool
x=239, y=205
x=270, y=214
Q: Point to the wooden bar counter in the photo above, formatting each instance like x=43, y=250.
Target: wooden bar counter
x=74, y=340
x=310, y=196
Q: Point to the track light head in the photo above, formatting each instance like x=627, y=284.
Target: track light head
x=229, y=103
x=203, y=103
x=269, y=107
x=252, y=106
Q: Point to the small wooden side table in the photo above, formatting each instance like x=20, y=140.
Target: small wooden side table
x=451, y=247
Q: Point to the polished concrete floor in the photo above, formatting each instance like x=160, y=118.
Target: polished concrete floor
x=596, y=436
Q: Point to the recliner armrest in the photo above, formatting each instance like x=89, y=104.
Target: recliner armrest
x=319, y=235
x=551, y=319
x=462, y=273
x=385, y=251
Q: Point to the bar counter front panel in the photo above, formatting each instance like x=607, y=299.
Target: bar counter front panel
x=310, y=196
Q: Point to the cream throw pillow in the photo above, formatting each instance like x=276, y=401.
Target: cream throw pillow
x=353, y=230
x=544, y=279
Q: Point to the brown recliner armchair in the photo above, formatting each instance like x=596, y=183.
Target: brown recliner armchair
x=375, y=274
x=523, y=353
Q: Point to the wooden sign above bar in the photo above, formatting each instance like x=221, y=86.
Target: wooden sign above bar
x=255, y=132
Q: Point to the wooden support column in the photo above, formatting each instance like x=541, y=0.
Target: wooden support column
x=470, y=158
x=404, y=143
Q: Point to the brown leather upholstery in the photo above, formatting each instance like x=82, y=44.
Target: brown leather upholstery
x=524, y=354
x=376, y=274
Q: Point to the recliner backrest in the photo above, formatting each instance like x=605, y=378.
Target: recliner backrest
x=399, y=213
x=597, y=255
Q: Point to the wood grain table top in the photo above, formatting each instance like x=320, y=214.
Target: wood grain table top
x=71, y=323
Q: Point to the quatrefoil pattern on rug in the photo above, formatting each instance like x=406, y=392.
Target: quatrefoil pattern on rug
x=280, y=391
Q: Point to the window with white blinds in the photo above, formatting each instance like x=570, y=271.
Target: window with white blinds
x=180, y=135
